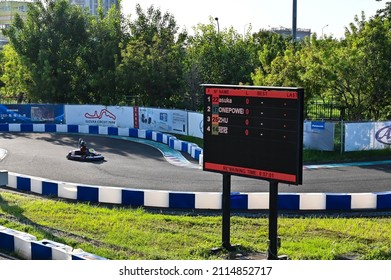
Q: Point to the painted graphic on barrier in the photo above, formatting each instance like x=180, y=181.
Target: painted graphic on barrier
x=31, y=113
x=103, y=112
x=174, y=121
x=104, y=117
x=99, y=115
x=384, y=135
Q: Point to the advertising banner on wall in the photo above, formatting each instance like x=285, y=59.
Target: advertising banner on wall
x=165, y=120
x=31, y=113
x=319, y=135
x=196, y=124
x=383, y=135
x=367, y=136
x=99, y=115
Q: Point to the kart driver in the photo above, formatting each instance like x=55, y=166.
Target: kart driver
x=83, y=148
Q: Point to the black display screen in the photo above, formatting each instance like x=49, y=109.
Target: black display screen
x=254, y=132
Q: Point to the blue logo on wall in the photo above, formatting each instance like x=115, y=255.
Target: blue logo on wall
x=384, y=135
x=318, y=125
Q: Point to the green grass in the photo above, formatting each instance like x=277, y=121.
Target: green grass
x=124, y=234
x=191, y=139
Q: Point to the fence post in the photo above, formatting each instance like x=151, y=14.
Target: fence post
x=342, y=136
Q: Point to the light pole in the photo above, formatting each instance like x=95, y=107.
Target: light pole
x=244, y=30
x=324, y=28
x=218, y=27
x=294, y=20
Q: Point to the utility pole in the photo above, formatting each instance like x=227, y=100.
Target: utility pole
x=218, y=26
x=294, y=20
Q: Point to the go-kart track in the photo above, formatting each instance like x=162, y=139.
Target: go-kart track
x=137, y=165
x=137, y=172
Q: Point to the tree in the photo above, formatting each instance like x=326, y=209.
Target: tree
x=152, y=60
x=106, y=37
x=15, y=75
x=51, y=44
x=285, y=64
x=362, y=66
x=269, y=46
x=218, y=57
x=1, y=68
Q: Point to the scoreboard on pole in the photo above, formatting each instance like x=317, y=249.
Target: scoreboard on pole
x=254, y=132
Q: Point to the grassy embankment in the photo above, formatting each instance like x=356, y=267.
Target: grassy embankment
x=123, y=233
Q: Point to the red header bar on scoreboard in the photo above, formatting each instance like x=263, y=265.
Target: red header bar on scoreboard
x=251, y=172
x=215, y=91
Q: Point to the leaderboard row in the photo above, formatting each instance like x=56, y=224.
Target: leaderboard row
x=251, y=122
x=252, y=101
x=271, y=135
x=269, y=112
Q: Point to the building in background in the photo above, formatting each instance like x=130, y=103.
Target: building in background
x=301, y=33
x=8, y=10
x=92, y=5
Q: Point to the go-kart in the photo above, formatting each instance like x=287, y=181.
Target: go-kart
x=91, y=155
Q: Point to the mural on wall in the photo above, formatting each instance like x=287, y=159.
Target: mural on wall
x=32, y=113
x=99, y=115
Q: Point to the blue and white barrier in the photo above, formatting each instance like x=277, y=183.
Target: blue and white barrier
x=26, y=246
x=199, y=200
x=17, y=242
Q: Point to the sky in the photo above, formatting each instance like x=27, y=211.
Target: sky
x=327, y=17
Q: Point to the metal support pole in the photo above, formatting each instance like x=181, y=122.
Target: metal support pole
x=294, y=20
x=273, y=209
x=226, y=205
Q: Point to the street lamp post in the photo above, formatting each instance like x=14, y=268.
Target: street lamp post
x=244, y=30
x=324, y=28
x=218, y=27
x=294, y=20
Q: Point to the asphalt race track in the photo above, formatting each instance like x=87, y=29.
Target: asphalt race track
x=138, y=166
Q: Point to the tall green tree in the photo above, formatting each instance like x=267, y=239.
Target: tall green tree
x=269, y=45
x=218, y=57
x=224, y=56
x=286, y=64
x=15, y=76
x=51, y=43
x=151, y=63
x=315, y=72
x=107, y=36
x=361, y=68
x=1, y=68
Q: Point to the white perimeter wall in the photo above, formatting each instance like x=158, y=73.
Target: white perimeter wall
x=367, y=136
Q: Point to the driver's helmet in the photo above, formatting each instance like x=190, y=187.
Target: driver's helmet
x=82, y=143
